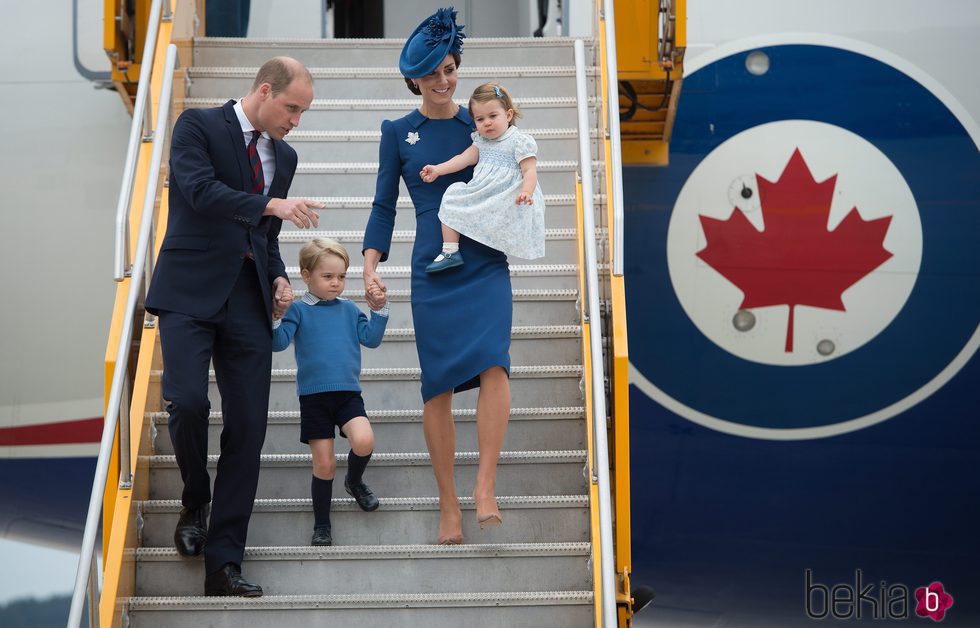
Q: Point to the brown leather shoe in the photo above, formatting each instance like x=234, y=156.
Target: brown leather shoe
x=228, y=581
x=191, y=532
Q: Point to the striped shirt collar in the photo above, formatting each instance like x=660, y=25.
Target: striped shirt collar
x=311, y=299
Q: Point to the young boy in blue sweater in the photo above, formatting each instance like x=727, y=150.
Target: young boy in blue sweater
x=328, y=331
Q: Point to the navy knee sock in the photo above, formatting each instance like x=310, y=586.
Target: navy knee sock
x=355, y=467
x=322, y=492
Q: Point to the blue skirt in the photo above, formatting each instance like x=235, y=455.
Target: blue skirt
x=463, y=315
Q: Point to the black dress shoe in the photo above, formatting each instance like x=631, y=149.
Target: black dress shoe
x=192, y=531
x=321, y=535
x=228, y=581
x=362, y=495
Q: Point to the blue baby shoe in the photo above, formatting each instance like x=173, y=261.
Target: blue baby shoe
x=445, y=261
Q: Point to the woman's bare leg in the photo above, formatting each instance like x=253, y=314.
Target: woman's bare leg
x=492, y=414
x=440, y=438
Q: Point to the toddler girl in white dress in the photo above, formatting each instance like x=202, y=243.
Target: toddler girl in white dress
x=502, y=205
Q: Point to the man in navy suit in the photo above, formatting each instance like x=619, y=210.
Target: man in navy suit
x=218, y=283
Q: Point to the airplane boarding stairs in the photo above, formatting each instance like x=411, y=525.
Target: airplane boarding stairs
x=384, y=569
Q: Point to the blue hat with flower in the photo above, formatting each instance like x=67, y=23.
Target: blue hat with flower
x=437, y=36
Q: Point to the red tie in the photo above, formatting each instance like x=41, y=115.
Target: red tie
x=258, y=179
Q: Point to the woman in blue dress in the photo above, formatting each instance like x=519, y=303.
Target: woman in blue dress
x=463, y=316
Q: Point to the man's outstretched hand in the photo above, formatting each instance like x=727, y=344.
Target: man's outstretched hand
x=298, y=211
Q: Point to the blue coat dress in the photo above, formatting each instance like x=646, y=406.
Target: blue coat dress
x=463, y=315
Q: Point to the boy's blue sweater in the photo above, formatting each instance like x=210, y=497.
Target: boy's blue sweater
x=328, y=335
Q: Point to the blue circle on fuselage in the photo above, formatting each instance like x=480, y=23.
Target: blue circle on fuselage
x=937, y=157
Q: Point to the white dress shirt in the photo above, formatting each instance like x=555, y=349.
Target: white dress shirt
x=266, y=152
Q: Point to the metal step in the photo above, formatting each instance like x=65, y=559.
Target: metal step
x=514, y=567
x=401, y=431
x=400, y=475
x=215, y=51
x=360, y=178
x=352, y=213
x=387, y=82
x=357, y=145
x=366, y=114
x=399, y=520
x=545, y=385
x=554, y=344
x=552, y=385
x=531, y=306
x=561, y=245
x=522, y=276
x=545, y=609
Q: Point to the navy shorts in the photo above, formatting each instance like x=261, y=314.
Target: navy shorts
x=319, y=413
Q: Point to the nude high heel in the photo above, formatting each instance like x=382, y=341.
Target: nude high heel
x=451, y=539
x=489, y=520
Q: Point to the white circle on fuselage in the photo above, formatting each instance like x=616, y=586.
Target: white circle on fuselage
x=867, y=183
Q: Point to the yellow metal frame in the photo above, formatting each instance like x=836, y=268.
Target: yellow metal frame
x=637, y=38
x=637, y=24
x=589, y=400
x=119, y=505
x=124, y=52
x=636, y=42
x=619, y=408
x=123, y=38
x=645, y=140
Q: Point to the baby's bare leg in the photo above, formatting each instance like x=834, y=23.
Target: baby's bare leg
x=449, y=235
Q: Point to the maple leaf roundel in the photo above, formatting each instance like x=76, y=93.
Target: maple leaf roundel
x=795, y=260
x=821, y=252
x=806, y=264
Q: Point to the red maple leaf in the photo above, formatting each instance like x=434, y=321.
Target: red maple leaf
x=795, y=259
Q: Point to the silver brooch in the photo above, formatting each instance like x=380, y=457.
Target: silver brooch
x=413, y=136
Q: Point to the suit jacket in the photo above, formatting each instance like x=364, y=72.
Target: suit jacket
x=213, y=220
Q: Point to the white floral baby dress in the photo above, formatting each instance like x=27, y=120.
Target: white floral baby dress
x=484, y=209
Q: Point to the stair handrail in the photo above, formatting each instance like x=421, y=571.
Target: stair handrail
x=600, y=467
x=85, y=579
x=615, y=148
x=141, y=122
